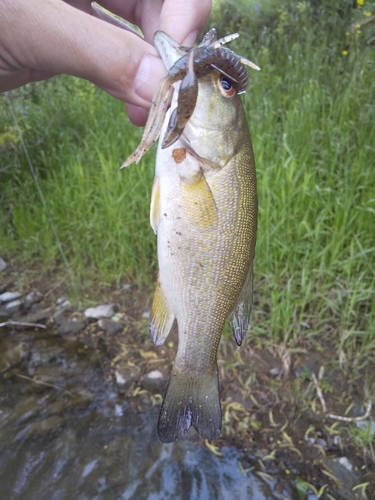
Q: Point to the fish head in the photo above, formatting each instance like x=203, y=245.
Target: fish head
x=197, y=102
x=214, y=133
x=206, y=111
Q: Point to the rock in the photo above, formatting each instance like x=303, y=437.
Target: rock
x=71, y=327
x=60, y=300
x=126, y=287
x=9, y=296
x=322, y=443
x=13, y=307
x=43, y=354
x=13, y=356
x=337, y=440
x=102, y=311
x=345, y=472
x=345, y=462
x=3, y=264
x=32, y=298
x=3, y=313
x=367, y=425
x=63, y=306
x=154, y=380
x=146, y=314
x=125, y=374
x=311, y=496
x=274, y=372
x=110, y=327
x=38, y=316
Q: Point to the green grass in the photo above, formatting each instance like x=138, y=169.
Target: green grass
x=77, y=138
x=312, y=119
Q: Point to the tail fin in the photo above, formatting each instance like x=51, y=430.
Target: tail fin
x=190, y=401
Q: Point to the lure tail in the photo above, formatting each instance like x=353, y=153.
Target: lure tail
x=190, y=402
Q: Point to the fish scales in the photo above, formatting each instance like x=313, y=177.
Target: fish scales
x=204, y=211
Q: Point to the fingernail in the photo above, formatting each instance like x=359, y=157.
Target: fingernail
x=150, y=72
x=191, y=39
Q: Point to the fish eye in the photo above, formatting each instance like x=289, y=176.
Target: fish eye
x=226, y=87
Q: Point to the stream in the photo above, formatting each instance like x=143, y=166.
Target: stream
x=66, y=432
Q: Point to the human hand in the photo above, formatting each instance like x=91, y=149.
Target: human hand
x=42, y=38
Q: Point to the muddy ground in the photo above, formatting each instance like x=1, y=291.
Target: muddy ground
x=272, y=400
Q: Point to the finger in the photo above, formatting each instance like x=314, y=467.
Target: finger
x=142, y=13
x=138, y=116
x=184, y=20
x=105, y=16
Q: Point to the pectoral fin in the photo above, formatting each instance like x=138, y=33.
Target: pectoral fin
x=155, y=205
x=240, y=317
x=161, y=319
x=198, y=202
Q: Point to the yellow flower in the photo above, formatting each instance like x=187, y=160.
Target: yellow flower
x=344, y=53
x=367, y=13
x=357, y=26
x=359, y=32
x=347, y=33
x=361, y=2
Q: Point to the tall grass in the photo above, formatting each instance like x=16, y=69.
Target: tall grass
x=77, y=138
x=312, y=119
x=313, y=125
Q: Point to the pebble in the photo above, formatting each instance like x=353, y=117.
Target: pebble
x=3, y=264
x=344, y=471
x=367, y=425
x=102, y=311
x=126, y=374
x=9, y=296
x=32, y=298
x=13, y=307
x=37, y=316
x=345, y=462
x=60, y=300
x=110, y=327
x=13, y=356
x=126, y=287
x=146, y=314
x=63, y=306
x=153, y=380
x=322, y=443
x=71, y=327
x=274, y=372
x=337, y=440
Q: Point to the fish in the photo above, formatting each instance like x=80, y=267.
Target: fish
x=204, y=212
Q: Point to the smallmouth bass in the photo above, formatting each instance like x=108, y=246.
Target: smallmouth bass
x=204, y=212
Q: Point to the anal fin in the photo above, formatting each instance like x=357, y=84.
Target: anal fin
x=161, y=319
x=240, y=316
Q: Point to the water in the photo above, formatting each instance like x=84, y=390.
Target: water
x=91, y=443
